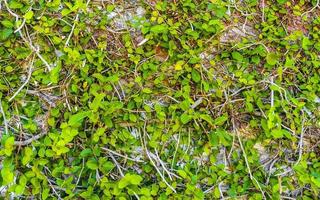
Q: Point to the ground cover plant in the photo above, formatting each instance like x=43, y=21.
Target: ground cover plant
x=159, y=99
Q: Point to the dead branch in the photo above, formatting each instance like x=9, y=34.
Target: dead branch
x=120, y=155
x=30, y=140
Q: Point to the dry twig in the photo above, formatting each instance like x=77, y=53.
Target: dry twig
x=32, y=47
x=246, y=160
x=30, y=140
x=144, y=145
x=26, y=81
x=4, y=118
x=301, y=140
x=309, y=11
x=120, y=155
x=120, y=171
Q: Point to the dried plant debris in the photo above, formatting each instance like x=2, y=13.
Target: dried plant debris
x=175, y=99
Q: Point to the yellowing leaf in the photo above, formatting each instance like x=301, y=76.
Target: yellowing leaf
x=8, y=146
x=7, y=176
x=179, y=65
x=27, y=155
x=29, y=14
x=182, y=173
x=147, y=90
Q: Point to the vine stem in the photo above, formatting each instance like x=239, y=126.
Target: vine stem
x=4, y=118
x=309, y=11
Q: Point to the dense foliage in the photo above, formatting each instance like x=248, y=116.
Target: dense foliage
x=159, y=99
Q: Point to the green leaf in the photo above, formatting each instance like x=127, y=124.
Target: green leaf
x=128, y=179
x=275, y=88
x=97, y=102
x=306, y=43
x=216, y=193
x=7, y=24
x=54, y=74
x=45, y=193
x=195, y=75
x=147, y=90
x=161, y=28
x=182, y=173
x=7, y=176
x=317, y=46
x=207, y=118
x=68, y=134
x=15, y=4
x=7, y=171
x=214, y=139
x=123, y=183
x=185, y=118
x=98, y=133
x=221, y=120
x=77, y=119
x=135, y=179
x=108, y=166
x=92, y=164
x=277, y=133
x=65, y=12
x=85, y=153
x=5, y=33
x=289, y=62
x=8, y=146
x=315, y=178
x=19, y=189
x=282, y=1
x=133, y=117
x=192, y=33
x=237, y=56
x=272, y=58
x=27, y=155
